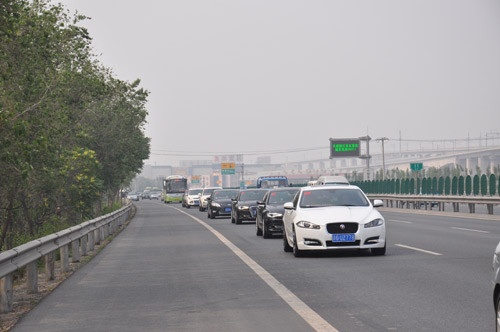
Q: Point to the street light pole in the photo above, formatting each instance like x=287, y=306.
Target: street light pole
x=383, y=139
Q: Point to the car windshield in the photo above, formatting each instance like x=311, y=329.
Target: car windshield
x=281, y=197
x=225, y=194
x=252, y=195
x=333, y=197
x=195, y=191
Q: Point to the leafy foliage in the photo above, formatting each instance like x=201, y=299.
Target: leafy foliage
x=72, y=134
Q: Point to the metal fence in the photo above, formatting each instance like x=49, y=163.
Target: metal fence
x=74, y=242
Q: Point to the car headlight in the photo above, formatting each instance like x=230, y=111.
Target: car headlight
x=217, y=205
x=375, y=223
x=274, y=215
x=243, y=207
x=307, y=224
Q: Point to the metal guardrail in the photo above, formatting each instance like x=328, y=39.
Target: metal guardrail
x=428, y=202
x=82, y=238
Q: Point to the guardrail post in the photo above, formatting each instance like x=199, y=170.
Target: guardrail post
x=97, y=236
x=472, y=207
x=50, y=266
x=6, y=294
x=490, y=208
x=91, y=241
x=32, y=277
x=75, y=251
x=83, y=244
x=64, y=252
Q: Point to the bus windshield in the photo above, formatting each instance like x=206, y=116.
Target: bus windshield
x=272, y=181
x=176, y=185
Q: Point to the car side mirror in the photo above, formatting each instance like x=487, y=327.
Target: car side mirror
x=378, y=203
x=288, y=206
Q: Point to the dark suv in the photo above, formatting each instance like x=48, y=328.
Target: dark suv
x=245, y=204
x=219, y=202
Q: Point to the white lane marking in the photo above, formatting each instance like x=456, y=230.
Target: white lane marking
x=402, y=221
x=418, y=249
x=470, y=230
x=304, y=311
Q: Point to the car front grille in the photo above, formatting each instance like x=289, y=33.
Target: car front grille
x=253, y=211
x=336, y=228
x=342, y=244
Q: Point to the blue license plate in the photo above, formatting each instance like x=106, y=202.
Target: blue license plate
x=343, y=237
x=228, y=209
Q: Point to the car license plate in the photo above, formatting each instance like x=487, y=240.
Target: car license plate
x=228, y=209
x=343, y=237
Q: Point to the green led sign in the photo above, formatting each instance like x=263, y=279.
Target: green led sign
x=340, y=148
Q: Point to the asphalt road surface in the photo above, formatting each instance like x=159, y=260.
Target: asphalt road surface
x=173, y=269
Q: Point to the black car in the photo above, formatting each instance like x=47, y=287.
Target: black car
x=219, y=202
x=269, y=219
x=245, y=204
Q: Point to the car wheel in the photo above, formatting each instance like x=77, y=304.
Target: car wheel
x=296, y=251
x=286, y=246
x=258, y=231
x=379, y=251
x=497, y=311
x=265, y=231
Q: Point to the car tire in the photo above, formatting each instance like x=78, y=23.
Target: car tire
x=286, y=246
x=265, y=231
x=296, y=251
x=379, y=251
x=258, y=231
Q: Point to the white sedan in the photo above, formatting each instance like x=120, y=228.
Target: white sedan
x=333, y=218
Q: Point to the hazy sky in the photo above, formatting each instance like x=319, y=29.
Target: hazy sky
x=258, y=77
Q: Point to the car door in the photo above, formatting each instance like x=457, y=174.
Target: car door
x=289, y=217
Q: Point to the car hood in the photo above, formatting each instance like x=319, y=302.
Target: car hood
x=275, y=208
x=325, y=215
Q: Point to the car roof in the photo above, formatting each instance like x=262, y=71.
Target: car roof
x=327, y=187
x=284, y=188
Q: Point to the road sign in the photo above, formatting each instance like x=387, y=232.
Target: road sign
x=344, y=148
x=227, y=168
x=416, y=166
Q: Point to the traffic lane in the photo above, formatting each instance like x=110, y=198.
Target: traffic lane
x=404, y=290
x=446, y=234
x=164, y=272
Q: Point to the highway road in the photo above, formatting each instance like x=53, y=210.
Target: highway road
x=173, y=269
